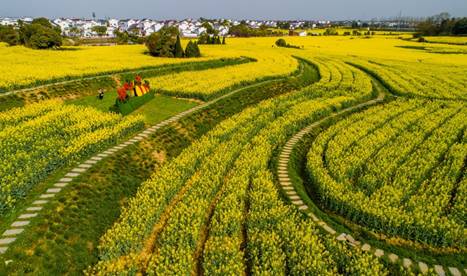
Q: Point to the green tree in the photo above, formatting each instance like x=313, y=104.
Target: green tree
x=178, y=48
x=283, y=25
x=218, y=40
x=460, y=27
x=75, y=31
x=46, y=23
x=209, y=28
x=42, y=21
x=330, y=32
x=9, y=35
x=197, y=50
x=281, y=43
x=40, y=35
x=223, y=40
x=162, y=43
x=191, y=51
x=44, y=38
x=203, y=38
x=122, y=37
x=100, y=30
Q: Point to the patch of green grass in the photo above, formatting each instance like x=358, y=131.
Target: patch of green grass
x=102, y=105
x=163, y=107
x=154, y=111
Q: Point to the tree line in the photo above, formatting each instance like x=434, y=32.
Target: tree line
x=243, y=30
x=442, y=24
x=39, y=34
x=206, y=38
x=166, y=43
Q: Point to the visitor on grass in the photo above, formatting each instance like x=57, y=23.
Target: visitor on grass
x=100, y=94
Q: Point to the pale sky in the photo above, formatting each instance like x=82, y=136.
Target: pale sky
x=233, y=9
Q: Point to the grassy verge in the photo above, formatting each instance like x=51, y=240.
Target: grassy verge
x=64, y=240
x=84, y=86
x=156, y=110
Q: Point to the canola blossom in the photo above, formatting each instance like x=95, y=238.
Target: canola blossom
x=208, y=83
x=397, y=168
x=382, y=168
x=224, y=172
x=38, y=139
x=24, y=66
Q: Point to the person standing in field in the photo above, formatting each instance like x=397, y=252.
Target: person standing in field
x=100, y=94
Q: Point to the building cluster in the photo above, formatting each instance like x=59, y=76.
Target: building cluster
x=143, y=27
x=78, y=27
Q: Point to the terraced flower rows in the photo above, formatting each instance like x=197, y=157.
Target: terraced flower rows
x=22, y=66
x=215, y=208
x=420, y=79
x=398, y=169
x=209, y=83
x=41, y=138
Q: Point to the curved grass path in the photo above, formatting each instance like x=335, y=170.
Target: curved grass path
x=292, y=194
x=33, y=216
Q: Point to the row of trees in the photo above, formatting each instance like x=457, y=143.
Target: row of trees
x=357, y=33
x=205, y=38
x=166, y=43
x=243, y=30
x=442, y=24
x=128, y=37
x=40, y=34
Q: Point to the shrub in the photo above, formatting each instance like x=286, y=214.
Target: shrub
x=9, y=35
x=162, y=43
x=40, y=34
x=330, y=32
x=179, y=53
x=460, y=27
x=192, y=50
x=281, y=43
x=44, y=38
x=100, y=30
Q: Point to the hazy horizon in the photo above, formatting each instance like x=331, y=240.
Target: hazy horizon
x=240, y=9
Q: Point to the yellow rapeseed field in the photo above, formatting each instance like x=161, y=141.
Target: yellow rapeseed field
x=22, y=66
x=271, y=61
x=447, y=39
